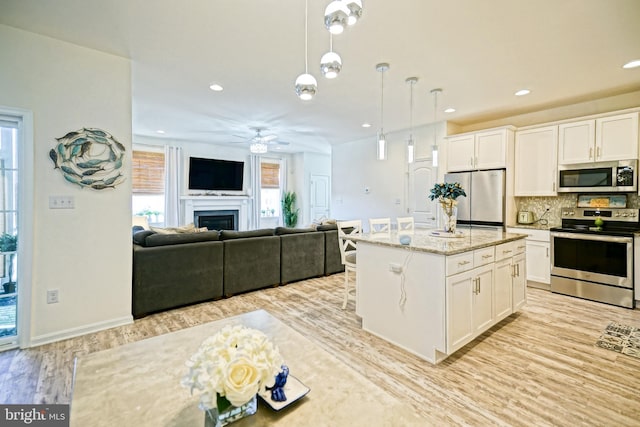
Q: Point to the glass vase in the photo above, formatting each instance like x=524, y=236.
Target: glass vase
x=448, y=216
x=226, y=413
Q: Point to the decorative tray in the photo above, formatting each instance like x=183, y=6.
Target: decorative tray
x=445, y=234
x=293, y=389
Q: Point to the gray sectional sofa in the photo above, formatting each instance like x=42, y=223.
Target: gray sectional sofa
x=173, y=270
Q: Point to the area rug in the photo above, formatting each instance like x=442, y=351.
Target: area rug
x=624, y=339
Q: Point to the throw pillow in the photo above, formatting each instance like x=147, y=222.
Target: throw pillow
x=189, y=228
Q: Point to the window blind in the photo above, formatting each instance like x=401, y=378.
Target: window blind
x=270, y=175
x=148, y=172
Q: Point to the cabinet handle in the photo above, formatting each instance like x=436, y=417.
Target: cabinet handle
x=486, y=256
x=518, y=269
x=597, y=152
x=513, y=271
x=479, y=290
x=471, y=161
x=547, y=252
x=461, y=263
x=506, y=252
x=590, y=153
x=521, y=247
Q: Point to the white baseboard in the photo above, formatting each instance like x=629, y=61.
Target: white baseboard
x=81, y=330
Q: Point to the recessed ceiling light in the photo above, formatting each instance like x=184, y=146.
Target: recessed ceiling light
x=523, y=92
x=632, y=64
x=450, y=110
x=216, y=87
x=160, y=131
x=366, y=125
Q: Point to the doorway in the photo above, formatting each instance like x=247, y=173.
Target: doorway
x=422, y=176
x=319, y=200
x=10, y=137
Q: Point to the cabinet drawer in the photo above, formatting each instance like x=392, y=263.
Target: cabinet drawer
x=483, y=256
x=459, y=263
x=519, y=246
x=505, y=250
x=532, y=234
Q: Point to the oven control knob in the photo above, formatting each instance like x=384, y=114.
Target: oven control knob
x=625, y=214
x=617, y=214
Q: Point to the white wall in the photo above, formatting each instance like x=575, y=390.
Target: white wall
x=85, y=252
x=354, y=169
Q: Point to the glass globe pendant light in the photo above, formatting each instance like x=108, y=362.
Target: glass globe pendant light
x=306, y=84
x=381, y=143
x=336, y=16
x=330, y=63
x=355, y=10
x=411, y=146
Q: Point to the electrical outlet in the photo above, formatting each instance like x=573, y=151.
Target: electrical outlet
x=52, y=296
x=396, y=268
x=61, y=202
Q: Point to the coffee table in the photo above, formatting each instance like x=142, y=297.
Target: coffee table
x=138, y=384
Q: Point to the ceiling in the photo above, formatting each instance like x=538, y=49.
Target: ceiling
x=478, y=52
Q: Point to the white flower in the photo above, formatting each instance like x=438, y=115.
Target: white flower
x=233, y=363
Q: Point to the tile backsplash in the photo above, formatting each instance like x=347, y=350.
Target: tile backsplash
x=537, y=205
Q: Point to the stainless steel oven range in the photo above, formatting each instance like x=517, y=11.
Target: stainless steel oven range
x=595, y=262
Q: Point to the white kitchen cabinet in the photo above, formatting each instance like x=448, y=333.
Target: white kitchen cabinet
x=469, y=305
x=519, y=282
x=536, y=161
x=479, y=150
x=603, y=139
x=538, y=258
x=503, y=287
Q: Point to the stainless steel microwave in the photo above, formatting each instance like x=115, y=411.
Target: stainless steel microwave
x=617, y=176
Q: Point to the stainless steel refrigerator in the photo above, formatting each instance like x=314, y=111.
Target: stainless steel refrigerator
x=485, y=201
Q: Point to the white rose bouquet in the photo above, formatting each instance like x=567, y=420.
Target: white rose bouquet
x=234, y=364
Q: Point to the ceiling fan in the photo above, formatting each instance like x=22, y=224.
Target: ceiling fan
x=259, y=142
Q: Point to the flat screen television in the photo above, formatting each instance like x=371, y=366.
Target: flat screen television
x=215, y=174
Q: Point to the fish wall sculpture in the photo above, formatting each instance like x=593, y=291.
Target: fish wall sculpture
x=89, y=157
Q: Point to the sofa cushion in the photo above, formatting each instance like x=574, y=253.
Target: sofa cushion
x=286, y=230
x=140, y=237
x=157, y=239
x=189, y=228
x=327, y=227
x=230, y=234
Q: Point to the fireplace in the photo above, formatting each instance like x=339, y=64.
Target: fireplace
x=216, y=219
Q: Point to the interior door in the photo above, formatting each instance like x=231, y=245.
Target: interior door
x=422, y=176
x=319, y=200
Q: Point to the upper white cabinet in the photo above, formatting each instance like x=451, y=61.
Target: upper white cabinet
x=535, y=161
x=479, y=150
x=602, y=139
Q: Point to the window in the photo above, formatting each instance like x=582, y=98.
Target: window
x=148, y=186
x=270, y=189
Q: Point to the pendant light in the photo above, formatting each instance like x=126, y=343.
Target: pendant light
x=336, y=16
x=306, y=84
x=355, y=10
x=381, y=143
x=434, y=147
x=330, y=63
x=411, y=149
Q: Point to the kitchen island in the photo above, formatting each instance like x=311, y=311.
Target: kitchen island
x=438, y=293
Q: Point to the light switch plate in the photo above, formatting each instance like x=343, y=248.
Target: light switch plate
x=61, y=202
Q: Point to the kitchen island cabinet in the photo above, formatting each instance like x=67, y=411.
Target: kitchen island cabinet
x=436, y=294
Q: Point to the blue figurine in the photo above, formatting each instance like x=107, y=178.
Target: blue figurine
x=277, y=391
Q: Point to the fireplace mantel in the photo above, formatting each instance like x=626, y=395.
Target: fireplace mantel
x=190, y=204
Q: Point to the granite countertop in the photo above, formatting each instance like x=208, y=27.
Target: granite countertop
x=535, y=226
x=425, y=241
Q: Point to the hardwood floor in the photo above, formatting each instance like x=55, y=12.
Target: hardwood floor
x=538, y=367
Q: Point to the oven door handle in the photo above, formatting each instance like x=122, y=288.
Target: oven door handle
x=585, y=236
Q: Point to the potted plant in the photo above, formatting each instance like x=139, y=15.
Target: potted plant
x=446, y=194
x=9, y=243
x=289, y=211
